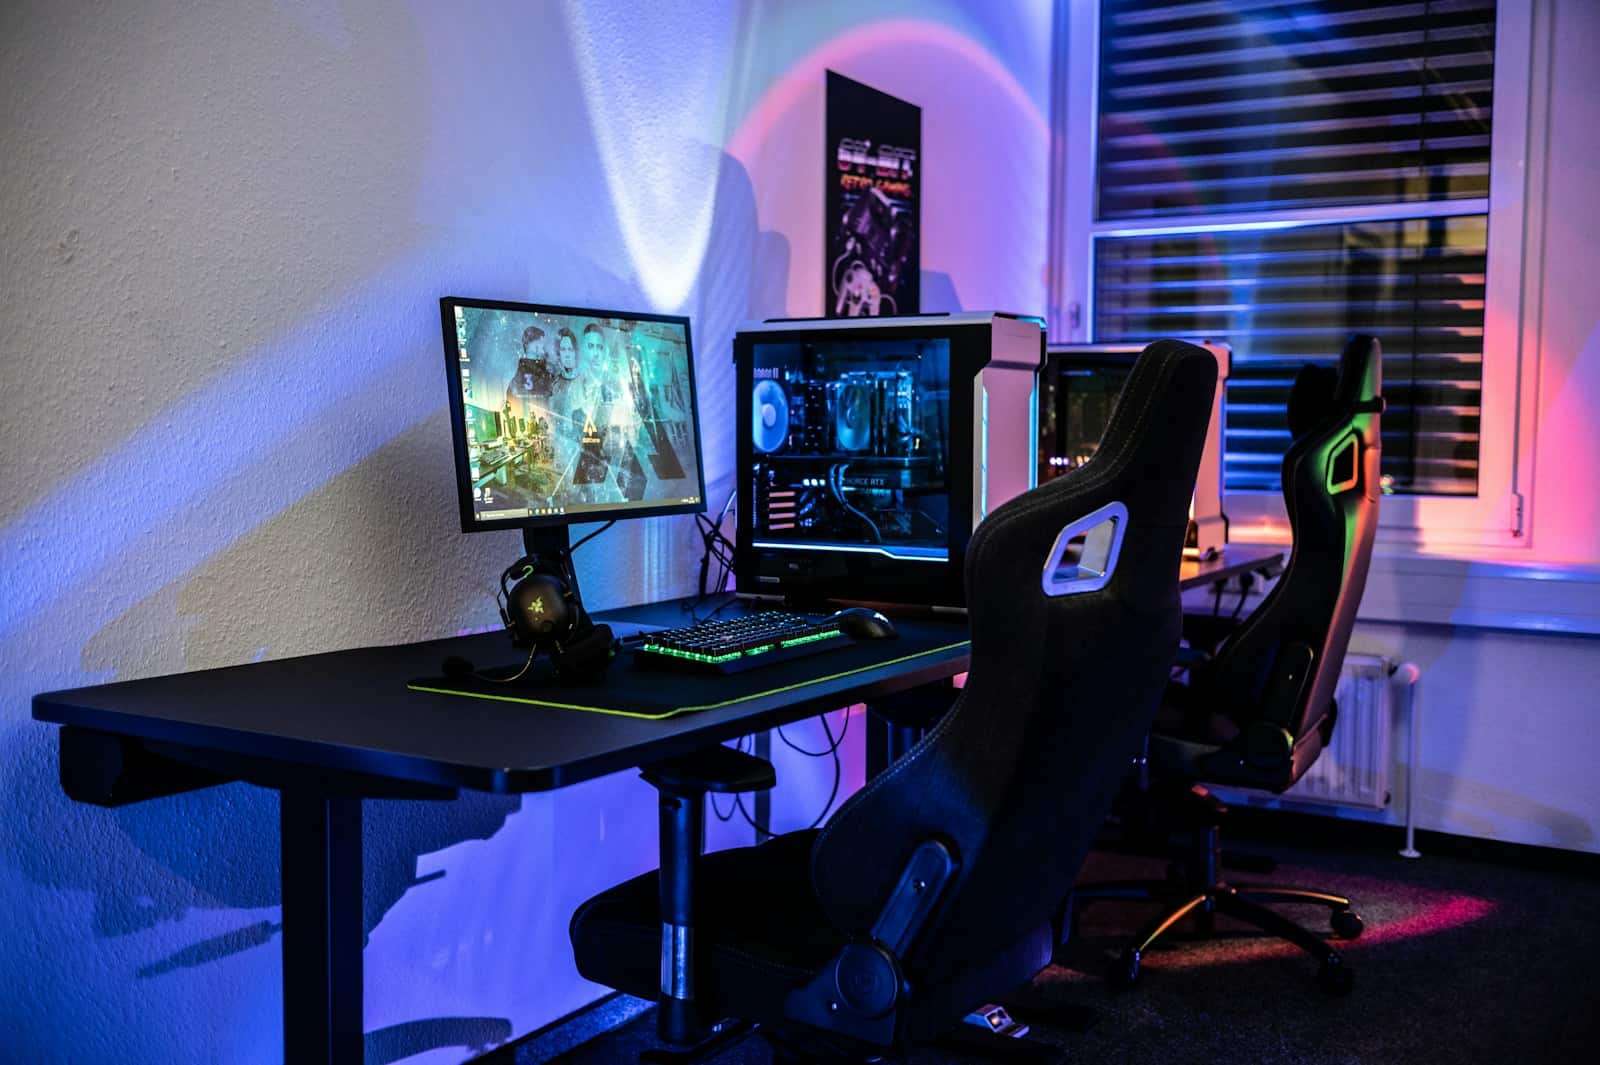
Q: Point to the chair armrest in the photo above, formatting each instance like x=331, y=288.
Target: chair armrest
x=719, y=769
x=683, y=783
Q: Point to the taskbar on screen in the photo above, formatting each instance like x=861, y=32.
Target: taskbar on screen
x=579, y=510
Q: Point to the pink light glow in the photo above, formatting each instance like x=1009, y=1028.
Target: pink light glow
x=805, y=78
x=984, y=146
x=1440, y=915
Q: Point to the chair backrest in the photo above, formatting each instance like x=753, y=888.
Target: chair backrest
x=1069, y=659
x=1331, y=491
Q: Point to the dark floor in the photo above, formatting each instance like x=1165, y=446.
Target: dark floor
x=1462, y=961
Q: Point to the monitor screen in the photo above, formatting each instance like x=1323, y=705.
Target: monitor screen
x=563, y=414
x=851, y=446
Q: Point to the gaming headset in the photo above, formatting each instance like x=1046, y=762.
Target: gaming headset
x=543, y=613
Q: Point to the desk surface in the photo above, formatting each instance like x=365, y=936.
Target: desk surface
x=1234, y=560
x=349, y=711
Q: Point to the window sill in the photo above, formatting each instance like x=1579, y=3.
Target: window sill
x=1483, y=593
x=1486, y=593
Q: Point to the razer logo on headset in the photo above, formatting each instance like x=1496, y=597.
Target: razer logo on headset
x=537, y=606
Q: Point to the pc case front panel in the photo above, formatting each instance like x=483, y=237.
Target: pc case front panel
x=1005, y=395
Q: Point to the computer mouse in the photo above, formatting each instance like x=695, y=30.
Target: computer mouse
x=864, y=623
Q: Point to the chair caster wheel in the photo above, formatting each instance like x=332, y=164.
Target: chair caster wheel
x=1123, y=973
x=1347, y=924
x=1335, y=978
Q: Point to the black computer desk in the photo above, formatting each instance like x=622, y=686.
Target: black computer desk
x=330, y=730
x=1235, y=560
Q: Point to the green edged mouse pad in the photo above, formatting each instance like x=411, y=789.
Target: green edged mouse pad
x=630, y=690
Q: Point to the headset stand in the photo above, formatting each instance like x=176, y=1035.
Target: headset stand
x=551, y=547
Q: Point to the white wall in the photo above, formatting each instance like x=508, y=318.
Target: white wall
x=1566, y=485
x=224, y=436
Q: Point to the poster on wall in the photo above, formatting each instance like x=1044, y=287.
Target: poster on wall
x=872, y=202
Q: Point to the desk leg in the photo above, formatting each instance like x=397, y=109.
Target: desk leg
x=762, y=800
x=886, y=742
x=682, y=840
x=322, y=928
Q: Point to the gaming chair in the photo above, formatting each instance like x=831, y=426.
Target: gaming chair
x=937, y=886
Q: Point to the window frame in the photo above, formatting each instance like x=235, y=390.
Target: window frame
x=1500, y=515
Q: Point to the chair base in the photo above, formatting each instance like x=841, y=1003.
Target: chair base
x=722, y=1036
x=1202, y=894
x=964, y=1039
x=806, y=1047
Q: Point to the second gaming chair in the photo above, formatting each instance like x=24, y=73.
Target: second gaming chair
x=1257, y=712
x=937, y=886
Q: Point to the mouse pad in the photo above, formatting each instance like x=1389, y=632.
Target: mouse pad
x=630, y=690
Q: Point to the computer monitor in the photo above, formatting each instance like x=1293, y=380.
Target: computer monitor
x=1077, y=392
x=871, y=448
x=566, y=414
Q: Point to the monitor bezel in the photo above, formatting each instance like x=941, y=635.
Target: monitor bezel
x=470, y=522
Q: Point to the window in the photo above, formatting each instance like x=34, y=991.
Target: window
x=1278, y=175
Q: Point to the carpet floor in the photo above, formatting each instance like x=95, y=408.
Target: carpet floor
x=1461, y=961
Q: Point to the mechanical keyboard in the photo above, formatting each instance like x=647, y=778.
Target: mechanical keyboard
x=737, y=644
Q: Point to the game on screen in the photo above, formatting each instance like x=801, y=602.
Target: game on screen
x=566, y=413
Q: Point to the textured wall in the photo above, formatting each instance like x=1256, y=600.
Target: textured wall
x=224, y=433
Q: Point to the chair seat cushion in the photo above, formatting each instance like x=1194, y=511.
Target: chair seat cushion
x=759, y=929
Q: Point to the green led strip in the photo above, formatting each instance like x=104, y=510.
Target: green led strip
x=419, y=687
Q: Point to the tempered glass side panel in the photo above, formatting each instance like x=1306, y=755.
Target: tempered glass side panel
x=1076, y=395
x=851, y=446
x=856, y=462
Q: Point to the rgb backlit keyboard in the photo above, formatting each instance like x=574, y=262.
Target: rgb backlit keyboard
x=733, y=645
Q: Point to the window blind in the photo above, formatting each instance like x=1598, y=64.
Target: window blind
x=1283, y=298
x=1280, y=111
x=1247, y=105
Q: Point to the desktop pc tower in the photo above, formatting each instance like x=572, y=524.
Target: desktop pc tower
x=1077, y=391
x=871, y=448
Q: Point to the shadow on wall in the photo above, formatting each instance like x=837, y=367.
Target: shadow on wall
x=373, y=553
x=939, y=295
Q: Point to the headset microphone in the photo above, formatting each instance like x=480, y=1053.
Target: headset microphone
x=457, y=668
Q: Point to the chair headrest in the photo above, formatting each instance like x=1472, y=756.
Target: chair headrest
x=1322, y=392
x=1361, y=374
x=1311, y=398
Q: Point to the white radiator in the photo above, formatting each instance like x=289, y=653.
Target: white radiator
x=1354, y=769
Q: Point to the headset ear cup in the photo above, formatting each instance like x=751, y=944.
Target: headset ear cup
x=588, y=655
x=542, y=610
